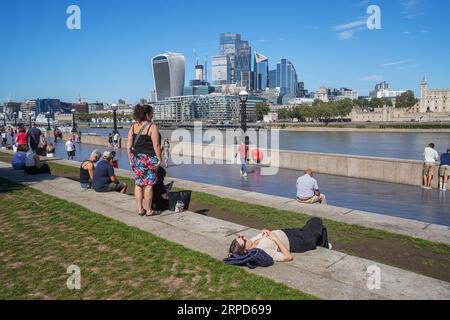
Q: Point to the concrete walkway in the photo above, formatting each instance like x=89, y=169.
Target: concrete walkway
x=413, y=228
x=324, y=273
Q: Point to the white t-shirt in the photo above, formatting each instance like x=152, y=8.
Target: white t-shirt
x=3, y=135
x=70, y=146
x=116, y=137
x=270, y=247
x=430, y=155
x=29, y=159
x=306, y=185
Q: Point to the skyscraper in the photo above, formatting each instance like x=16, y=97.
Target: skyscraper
x=261, y=72
x=168, y=74
x=272, y=79
x=287, y=77
x=239, y=56
x=220, y=70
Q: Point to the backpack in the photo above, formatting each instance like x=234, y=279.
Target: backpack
x=253, y=258
x=18, y=161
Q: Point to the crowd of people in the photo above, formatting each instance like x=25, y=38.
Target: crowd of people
x=147, y=155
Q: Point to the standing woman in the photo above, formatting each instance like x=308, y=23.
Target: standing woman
x=144, y=152
x=22, y=140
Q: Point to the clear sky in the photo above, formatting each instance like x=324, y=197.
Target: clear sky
x=109, y=58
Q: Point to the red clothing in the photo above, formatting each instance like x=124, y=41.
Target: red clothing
x=243, y=151
x=22, y=138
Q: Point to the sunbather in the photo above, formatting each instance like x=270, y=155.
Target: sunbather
x=279, y=244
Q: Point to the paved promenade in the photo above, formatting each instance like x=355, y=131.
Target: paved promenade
x=324, y=273
x=413, y=228
x=403, y=201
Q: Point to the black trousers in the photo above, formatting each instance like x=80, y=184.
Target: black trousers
x=312, y=235
x=34, y=170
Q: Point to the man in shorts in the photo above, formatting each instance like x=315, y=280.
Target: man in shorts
x=444, y=170
x=104, y=178
x=430, y=157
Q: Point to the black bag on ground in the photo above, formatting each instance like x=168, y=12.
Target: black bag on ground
x=183, y=196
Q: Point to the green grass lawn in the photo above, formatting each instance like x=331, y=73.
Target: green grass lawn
x=41, y=236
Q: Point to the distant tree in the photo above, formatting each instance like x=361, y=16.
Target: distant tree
x=362, y=103
x=406, y=100
x=261, y=109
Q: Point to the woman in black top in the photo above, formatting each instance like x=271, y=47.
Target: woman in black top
x=144, y=152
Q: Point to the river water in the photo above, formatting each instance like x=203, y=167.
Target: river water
x=401, y=145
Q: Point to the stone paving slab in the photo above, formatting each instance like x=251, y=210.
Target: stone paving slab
x=324, y=273
x=413, y=228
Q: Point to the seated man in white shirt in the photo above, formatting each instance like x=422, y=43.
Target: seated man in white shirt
x=308, y=190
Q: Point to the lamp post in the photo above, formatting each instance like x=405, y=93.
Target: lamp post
x=15, y=118
x=74, y=125
x=30, y=115
x=47, y=115
x=114, y=108
x=243, y=96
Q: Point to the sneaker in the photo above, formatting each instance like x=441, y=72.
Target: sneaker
x=429, y=188
x=241, y=172
x=245, y=174
x=330, y=246
x=423, y=187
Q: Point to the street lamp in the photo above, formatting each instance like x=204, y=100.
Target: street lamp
x=15, y=118
x=47, y=115
x=74, y=125
x=243, y=96
x=31, y=115
x=114, y=108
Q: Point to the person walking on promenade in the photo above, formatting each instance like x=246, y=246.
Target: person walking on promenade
x=243, y=155
x=79, y=137
x=444, y=170
x=70, y=149
x=144, y=153
x=166, y=152
x=22, y=140
x=55, y=135
x=116, y=138
x=430, y=157
x=34, y=136
x=308, y=190
x=110, y=140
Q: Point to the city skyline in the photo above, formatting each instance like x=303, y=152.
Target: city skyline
x=109, y=58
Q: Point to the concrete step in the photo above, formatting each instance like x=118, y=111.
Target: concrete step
x=324, y=273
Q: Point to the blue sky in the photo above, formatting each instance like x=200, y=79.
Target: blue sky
x=109, y=58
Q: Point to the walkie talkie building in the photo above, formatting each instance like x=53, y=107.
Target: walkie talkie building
x=168, y=74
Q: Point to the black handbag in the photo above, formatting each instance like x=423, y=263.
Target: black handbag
x=183, y=196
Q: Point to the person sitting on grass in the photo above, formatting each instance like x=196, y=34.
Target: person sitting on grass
x=87, y=170
x=279, y=244
x=104, y=179
x=33, y=164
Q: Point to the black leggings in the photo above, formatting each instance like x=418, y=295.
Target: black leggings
x=312, y=235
